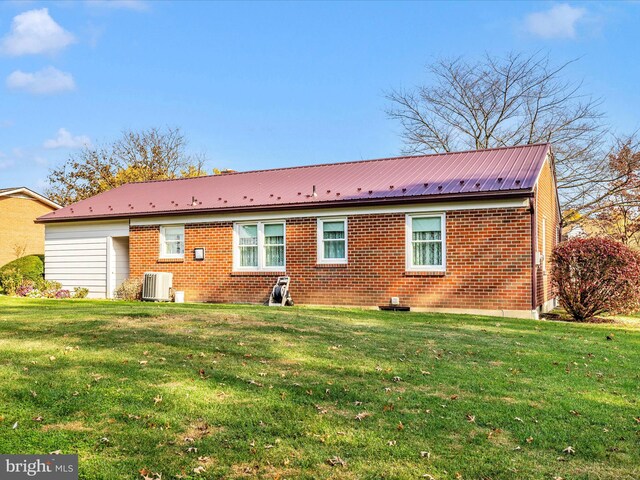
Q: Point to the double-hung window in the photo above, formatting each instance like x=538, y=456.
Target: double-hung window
x=259, y=246
x=332, y=240
x=172, y=241
x=426, y=244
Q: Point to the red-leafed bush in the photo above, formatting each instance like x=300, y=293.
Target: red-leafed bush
x=594, y=276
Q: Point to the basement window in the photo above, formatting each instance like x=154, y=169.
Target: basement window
x=259, y=246
x=332, y=240
x=172, y=241
x=425, y=243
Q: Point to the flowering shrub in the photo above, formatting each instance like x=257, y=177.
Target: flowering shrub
x=130, y=289
x=25, y=288
x=594, y=276
x=48, y=289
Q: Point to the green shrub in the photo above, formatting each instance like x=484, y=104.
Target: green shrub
x=80, y=292
x=10, y=280
x=30, y=267
x=130, y=289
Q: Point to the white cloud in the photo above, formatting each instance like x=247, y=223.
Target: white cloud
x=65, y=139
x=136, y=5
x=557, y=22
x=46, y=81
x=34, y=32
x=4, y=164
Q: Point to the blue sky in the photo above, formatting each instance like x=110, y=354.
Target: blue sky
x=265, y=85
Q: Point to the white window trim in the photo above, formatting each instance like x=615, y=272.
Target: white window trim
x=320, y=241
x=261, y=247
x=162, y=243
x=408, y=246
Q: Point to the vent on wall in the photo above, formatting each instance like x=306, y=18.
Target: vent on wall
x=157, y=286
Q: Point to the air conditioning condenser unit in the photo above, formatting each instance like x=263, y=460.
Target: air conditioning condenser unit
x=157, y=286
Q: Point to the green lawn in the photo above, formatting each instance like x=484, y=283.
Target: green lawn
x=202, y=391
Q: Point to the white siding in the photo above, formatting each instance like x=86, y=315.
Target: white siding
x=77, y=254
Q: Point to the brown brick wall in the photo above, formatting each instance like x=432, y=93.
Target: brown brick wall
x=547, y=208
x=488, y=263
x=17, y=217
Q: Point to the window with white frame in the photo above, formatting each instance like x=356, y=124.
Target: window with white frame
x=332, y=240
x=172, y=241
x=426, y=247
x=259, y=246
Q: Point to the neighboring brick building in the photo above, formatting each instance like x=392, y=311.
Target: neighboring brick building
x=19, y=234
x=459, y=232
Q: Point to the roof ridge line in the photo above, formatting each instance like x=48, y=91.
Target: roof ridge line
x=348, y=162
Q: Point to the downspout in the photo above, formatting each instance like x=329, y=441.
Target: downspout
x=534, y=243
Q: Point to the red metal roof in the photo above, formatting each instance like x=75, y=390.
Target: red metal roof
x=484, y=173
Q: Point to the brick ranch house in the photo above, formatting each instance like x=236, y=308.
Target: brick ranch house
x=465, y=232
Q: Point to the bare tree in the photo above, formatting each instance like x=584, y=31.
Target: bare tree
x=616, y=214
x=19, y=249
x=507, y=101
x=152, y=154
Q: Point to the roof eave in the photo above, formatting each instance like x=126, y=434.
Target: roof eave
x=522, y=193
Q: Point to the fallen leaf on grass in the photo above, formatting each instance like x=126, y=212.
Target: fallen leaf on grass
x=192, y=450
x=38, y=419
x=397, y=379
x=391, y=443
x=426, y=455
x=336, y=461
x=157, y=399
x=471, y=418
x=15, y=425
x=199, y=470
x=143, y=362
x=569, y=450
x=529, y=439
x=52, y=358
x=55, y=452
x=400, y=426
x=362, y=415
